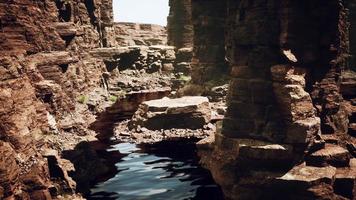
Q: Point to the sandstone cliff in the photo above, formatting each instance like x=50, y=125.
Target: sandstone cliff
x=285, y=134
x=42, y=69
x=289, y=129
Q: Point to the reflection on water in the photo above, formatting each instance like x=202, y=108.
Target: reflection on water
x=156, y=173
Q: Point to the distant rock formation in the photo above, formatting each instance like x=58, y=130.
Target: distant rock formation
x=131, y=34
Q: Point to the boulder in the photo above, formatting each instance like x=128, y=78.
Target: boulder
x=303, y=131
x=256, y=153
x=191, y=112
x=330, y=155
x=218, y=93
x=184, y=54
x=345, y=180
x=348, y=83
x=305, y=176
x=266, y=151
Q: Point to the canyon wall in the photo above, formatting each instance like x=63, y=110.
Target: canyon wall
x=208, y=63
x=351, y=5
x=285, y=134
x=180, y=27
x=44, y=66
x=131, y=34
x=53, y=55
x=289, y=130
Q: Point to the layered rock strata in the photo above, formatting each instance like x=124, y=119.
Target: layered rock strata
x=208, y=63
x=131, y=34
x=185, y=112
x=43, y=68
x=285, y=134
x=180, y=27
x=289, y=130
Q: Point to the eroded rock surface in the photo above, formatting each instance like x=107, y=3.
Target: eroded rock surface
x=289, y=126
x=130, y=34
x=288, y=98
x=185, y=112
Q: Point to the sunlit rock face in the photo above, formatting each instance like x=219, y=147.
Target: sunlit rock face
x=43, y=68
x=185, y=112
x=131, y=34
x=287, y=117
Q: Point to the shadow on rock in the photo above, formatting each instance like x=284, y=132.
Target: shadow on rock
x=92, y=164
x=123, y=109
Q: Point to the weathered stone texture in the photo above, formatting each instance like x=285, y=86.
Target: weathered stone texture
x=131, y=34
x=180, y=27
x=287, y=58
x=21, y=34
x=253, y=110
x=185, y=112
x=289, y=130
x=209, y=41
x=43, y=66
x=352, y=33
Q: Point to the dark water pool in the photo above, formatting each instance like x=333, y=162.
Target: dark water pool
x=169, y=171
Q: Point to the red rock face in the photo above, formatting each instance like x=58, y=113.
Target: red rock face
x=39, y=72
x=25, y=29
x=285, y=103
x=132, y=34
x=180, y=25
x=208, y=63
x=22, y=118
x=21, y=33
x=291, y=117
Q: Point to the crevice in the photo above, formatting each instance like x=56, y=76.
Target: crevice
x=54, y=170
x=47, y=98
x=64, y=10
x=126, y=60
x=64, y=67
x=344, y=187
x=92, y=163
x=89, y=4
x=110, y=65
x=68, y=39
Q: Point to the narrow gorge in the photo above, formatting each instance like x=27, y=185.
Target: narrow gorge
x=233, y=99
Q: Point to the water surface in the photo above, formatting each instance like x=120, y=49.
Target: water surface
x=164, y=172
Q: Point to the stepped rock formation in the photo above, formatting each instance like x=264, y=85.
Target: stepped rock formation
x=286, y=128
x=185, y=112
x=289, y=129
x=43, y=68
x=131, y=34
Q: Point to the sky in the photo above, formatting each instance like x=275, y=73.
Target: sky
x=141, y=11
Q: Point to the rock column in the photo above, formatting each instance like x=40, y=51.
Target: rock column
x=180, y=27
x=208, y=63
x=352, y=33
x=284, y=132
